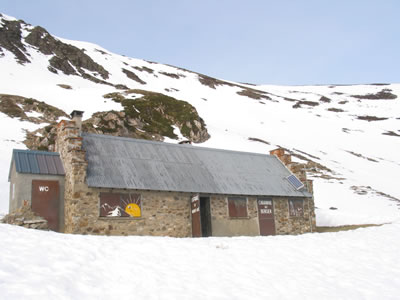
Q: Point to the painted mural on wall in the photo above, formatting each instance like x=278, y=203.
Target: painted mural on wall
x=120, y=205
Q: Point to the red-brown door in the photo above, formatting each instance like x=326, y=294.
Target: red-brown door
x=266, y=216
x=45, y=201
x=196, y=218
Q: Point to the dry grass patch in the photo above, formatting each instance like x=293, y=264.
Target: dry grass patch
x=322, y=229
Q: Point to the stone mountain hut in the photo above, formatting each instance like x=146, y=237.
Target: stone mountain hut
x=123, y=186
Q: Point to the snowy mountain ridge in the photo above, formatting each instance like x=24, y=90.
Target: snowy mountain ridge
x=349, y=135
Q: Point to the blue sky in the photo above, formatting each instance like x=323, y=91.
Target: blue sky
x=256, y=41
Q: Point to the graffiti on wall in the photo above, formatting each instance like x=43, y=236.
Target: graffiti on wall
x=120, y=205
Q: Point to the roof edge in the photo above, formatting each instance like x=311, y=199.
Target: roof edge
x=35, y=152
x=304, y=193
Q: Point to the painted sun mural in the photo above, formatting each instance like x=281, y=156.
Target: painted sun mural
x=120, y=205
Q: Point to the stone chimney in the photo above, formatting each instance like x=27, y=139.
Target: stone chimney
x=69, y=145
x=76, y=116
x=286, y=159
x=297, y=169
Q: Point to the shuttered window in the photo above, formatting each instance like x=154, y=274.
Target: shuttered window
x=296, y=208
x=237, y=207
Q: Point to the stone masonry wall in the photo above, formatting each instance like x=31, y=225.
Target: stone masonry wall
x=285, y=224
x=163, y=213
x=223, y=225
x=299, y=170
x=219, y=207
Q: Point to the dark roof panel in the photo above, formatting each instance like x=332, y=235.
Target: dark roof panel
x=51, y=166
x=115, y=162
x=42, y=164
x=37, y=162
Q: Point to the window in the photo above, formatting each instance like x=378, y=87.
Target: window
x=120, y=205
x=237, y=207
x=296, y=208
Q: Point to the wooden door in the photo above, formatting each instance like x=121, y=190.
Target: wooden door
x=196, y=218
x=45, y=201
x=266, y=216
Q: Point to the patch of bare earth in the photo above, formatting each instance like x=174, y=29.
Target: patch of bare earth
x=361, y=156
x=302, y=103
x=65, y=86
x=385, y=94
x=391, y=133
x=133, y=76
x=333, y=109
x=322, y=229
x=371, y=118
x=365, y=190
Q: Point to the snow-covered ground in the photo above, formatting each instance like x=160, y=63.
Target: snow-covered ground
x=360, y=264
x=364, y=161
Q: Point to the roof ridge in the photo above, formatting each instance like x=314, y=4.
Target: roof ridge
x=35, y=152
x=134, y=140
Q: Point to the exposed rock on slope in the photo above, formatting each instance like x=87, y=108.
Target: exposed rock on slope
x=385, y=94
x=31, y=110
x=21, y=107
x=133, y=76
x=67, y=58
x=148, y=114
x=10, y=39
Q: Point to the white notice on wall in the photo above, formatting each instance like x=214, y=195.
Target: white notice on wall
x=264, y=202
x=43, y=188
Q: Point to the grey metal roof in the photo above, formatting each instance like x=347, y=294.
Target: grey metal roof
x=115, y=162
x=37, y=162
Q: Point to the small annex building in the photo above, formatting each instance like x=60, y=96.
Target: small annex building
x=124, y=186
x=37, y=180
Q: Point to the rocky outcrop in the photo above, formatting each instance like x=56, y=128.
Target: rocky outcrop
x=385, y=94
x=25, y=217
x=20, y=107
x=38, y=112
x=11, y=40
x=133, y=76
x=151, y=115
x=67, y=58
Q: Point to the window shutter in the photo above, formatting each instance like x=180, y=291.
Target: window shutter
x=237, y=207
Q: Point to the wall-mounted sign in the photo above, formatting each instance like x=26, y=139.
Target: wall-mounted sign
x=43, y=188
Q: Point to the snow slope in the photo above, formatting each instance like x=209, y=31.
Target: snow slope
x=360, y=264
x=363, y=159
